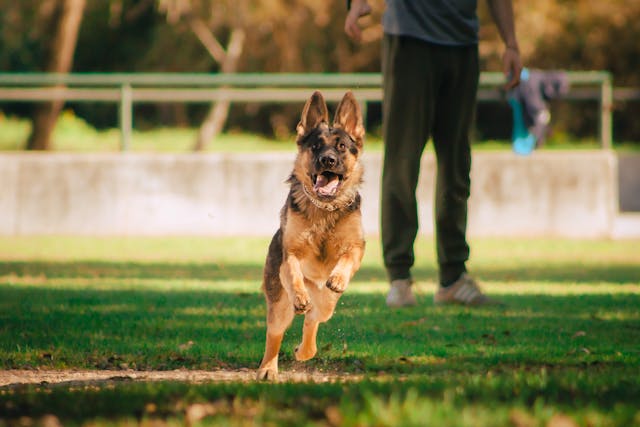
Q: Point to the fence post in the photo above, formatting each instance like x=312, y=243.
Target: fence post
x=606, y=112
x=126, y=116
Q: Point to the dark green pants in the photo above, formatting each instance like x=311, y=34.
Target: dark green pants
x=429, y=93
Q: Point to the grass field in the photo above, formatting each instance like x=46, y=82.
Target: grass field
x=564, y=349
x=72, y=134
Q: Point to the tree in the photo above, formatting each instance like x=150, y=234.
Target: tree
x=203, y=17
x=64, y=18
x=277, y=35
x=217, y=116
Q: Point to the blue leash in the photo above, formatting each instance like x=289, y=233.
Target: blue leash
x=523, y=141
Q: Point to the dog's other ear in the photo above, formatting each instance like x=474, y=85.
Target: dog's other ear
x=349, y=117
x=314, y=112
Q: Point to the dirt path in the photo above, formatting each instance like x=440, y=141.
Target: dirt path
x=10, y=378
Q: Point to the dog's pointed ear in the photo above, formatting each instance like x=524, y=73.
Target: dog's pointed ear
x=349, y=117
x=314, y=112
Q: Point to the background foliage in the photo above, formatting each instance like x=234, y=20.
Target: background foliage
x=307, y=36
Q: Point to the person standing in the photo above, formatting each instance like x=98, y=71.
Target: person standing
x=430, y=74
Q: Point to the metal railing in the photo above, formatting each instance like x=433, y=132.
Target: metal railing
x=127, y=89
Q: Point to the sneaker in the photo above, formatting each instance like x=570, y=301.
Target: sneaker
x=464, y=291
x=400, y=294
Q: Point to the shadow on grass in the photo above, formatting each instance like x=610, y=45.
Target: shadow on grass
x=566, y=272
x=573, y=350
x=289, y=403
x=213, y=327
x=210, y=328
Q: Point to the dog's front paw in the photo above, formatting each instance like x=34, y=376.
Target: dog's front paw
x=267, y=374
x=305, y=353
x=302, y=303
x=337, y=284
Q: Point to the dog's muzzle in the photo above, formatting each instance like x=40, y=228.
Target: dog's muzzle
x=326, y=184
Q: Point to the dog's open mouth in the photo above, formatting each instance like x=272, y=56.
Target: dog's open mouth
x=327, y=183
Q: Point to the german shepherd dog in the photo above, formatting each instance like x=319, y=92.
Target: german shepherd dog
x=320, y=242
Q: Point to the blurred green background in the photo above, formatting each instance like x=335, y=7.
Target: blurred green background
x=212, y=36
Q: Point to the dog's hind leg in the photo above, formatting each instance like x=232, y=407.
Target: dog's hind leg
x=324, y=303
x=279, y=316
x=307, y=348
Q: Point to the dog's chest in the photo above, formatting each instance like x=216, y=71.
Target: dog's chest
x=320, y=246
x=318, y=241
x=319, y=256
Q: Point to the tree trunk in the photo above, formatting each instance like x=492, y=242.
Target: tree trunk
x=217, y=116
x=213, y=123
x=67, y=16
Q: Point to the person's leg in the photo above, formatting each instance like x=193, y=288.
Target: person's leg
x=455, y=107
x=406, y=120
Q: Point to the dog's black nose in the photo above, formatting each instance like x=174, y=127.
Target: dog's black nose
x=328, y=160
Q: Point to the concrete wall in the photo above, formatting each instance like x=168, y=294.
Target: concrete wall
x=547, y=194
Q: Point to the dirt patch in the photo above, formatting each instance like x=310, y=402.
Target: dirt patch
x=15, y=377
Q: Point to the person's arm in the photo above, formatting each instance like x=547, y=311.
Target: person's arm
x=502, y=13
x=357, y=8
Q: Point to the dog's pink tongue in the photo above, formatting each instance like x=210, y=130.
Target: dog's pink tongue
x=325, y=187
x=321, y=181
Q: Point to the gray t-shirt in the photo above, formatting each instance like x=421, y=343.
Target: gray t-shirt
x=445, y=22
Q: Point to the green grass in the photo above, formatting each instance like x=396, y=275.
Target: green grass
x=565, y=345
x=72, y=134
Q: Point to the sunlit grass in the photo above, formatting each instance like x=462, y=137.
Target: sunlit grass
x=73, y=134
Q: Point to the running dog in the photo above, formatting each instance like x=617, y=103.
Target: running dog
x=320, y=242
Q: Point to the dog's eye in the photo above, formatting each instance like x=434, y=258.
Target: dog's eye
x=342, y=146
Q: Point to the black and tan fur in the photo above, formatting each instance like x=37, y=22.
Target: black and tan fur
x=320, y=242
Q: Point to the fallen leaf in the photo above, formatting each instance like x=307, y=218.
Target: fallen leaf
x=415, y=322
x=186, y=345
x=333, y=415
x=198, y=411
x=521, y=419
x=561, y=420
x=49, y=420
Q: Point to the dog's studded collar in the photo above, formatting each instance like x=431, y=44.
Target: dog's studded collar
x=330, y=207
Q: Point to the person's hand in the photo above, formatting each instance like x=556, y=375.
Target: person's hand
x=512, y=67
x=358, y=8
